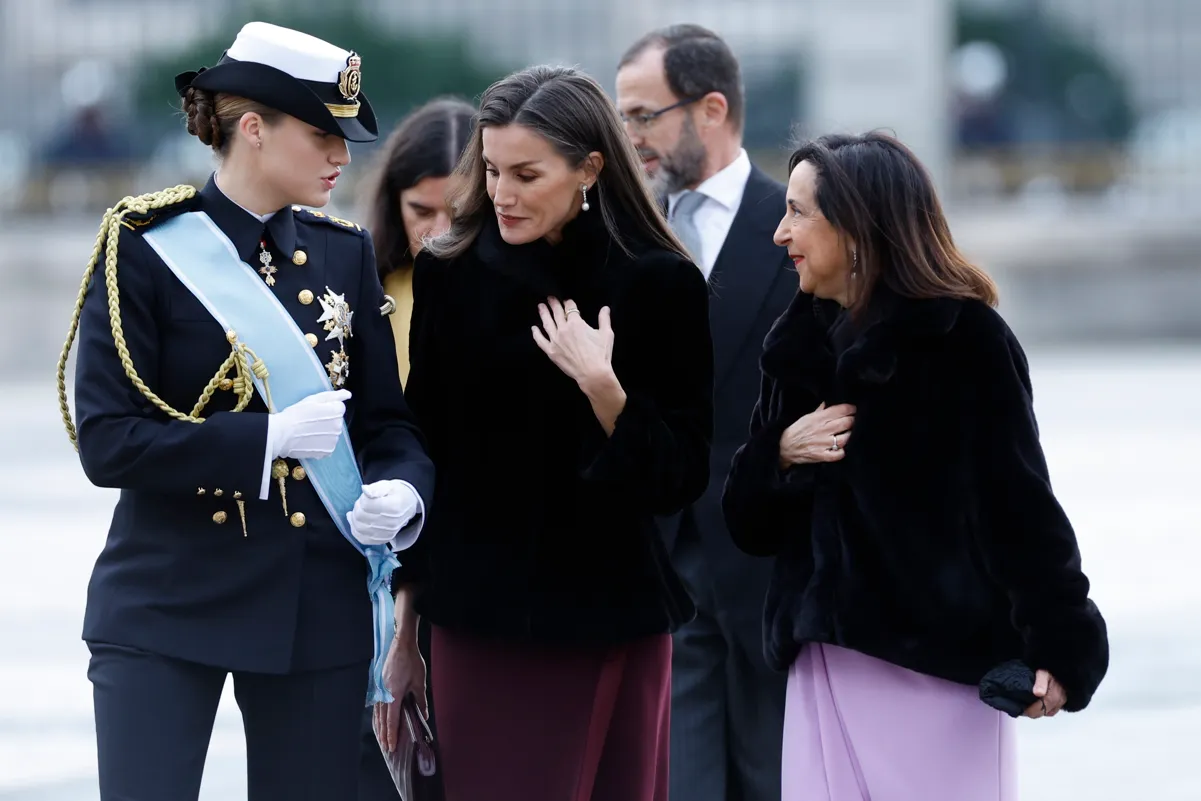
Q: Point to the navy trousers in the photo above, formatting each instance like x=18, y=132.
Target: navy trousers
x=154, y=720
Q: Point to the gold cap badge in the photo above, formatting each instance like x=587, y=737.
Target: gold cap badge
x=350, y=80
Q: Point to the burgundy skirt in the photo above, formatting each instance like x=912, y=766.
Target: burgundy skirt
x=520, y=722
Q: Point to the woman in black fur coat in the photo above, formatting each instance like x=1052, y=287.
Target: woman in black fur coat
x=562, y=373
x=894, y=471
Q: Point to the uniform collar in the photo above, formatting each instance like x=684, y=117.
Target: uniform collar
x=245, y=229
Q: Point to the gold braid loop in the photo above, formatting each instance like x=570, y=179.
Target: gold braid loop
x=106, y=241
x=241, y=386
x=259, y=368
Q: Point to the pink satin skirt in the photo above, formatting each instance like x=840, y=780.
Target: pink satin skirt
x=857, y=728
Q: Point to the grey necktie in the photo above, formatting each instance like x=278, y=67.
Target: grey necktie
x=684, y=225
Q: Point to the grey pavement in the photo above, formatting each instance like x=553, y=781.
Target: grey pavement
x=1122, y=430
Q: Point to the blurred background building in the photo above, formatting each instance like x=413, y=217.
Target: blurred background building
x=1062, y=132
x=1065, y=136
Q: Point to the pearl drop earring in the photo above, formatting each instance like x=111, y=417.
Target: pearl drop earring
x=584, y=189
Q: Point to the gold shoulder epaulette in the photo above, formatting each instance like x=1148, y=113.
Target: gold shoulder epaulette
x=144, y=210
x=140, y=210
x=321, y=216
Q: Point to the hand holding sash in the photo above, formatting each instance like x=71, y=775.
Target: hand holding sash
x=383, y=509
x=309, y=428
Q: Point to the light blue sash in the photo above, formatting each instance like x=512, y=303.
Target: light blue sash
x=204, y=259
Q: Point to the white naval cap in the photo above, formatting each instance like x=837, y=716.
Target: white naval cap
x=293, y=72
x=302, y=56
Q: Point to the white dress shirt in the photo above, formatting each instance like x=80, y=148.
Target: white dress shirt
x=723, y=194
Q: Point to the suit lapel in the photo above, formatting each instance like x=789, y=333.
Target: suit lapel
x=747, y=267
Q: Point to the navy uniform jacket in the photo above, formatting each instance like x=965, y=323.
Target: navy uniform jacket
x=171, y=579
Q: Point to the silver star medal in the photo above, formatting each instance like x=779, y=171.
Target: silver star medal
x=336, y=316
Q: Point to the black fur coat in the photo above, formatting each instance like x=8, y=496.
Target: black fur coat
x=541, y=527
x=936, y=543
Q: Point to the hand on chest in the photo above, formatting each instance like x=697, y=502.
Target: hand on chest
x=494, y=328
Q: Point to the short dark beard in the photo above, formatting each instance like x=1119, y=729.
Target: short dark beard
x=684, y=165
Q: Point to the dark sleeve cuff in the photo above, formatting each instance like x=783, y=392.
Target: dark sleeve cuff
x=414, y=568
x=1074, y=648
x=761, y=463
x=762, y=504
x=666, y=465
x=631, y=437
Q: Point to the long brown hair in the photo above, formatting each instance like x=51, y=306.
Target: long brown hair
x=427, y=143
x=876, y=192
x=571, y=111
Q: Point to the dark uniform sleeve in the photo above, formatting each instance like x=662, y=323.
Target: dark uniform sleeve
x=423, y=392
x=127, y=442
x=658, y=452
x=384, y=433
x=1030, y=547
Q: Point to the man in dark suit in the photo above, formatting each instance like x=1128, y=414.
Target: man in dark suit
x=679, y=90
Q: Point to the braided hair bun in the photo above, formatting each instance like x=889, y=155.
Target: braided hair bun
x=200, y=107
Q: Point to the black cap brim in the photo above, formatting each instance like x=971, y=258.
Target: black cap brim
x=305, y=100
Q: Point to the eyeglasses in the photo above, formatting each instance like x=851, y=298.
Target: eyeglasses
x=641, y=122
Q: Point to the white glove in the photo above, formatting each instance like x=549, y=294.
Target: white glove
x=383, y=509
x=309, y=428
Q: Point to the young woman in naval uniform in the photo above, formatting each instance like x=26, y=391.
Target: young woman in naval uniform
x=261, y=505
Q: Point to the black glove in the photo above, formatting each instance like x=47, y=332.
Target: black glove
x=1009, y=687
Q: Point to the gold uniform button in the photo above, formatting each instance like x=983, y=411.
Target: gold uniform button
x=306, y=296
x=220, y=517
x=200, y=490
x=296, y=208
x=298, y=474
x=299, y=258
x=311, y=339
x=298, y=519
x=226, y=384
x=218, y=492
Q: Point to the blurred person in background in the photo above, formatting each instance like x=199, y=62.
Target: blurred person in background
x=562, y=369
x=680, y=93
x=89, y=139
x=255, y=540
x=406, y=201
x=895, y=474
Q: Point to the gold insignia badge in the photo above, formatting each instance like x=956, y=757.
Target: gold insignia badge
x=350, y=80
x=347, y=223
x=338, y=368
